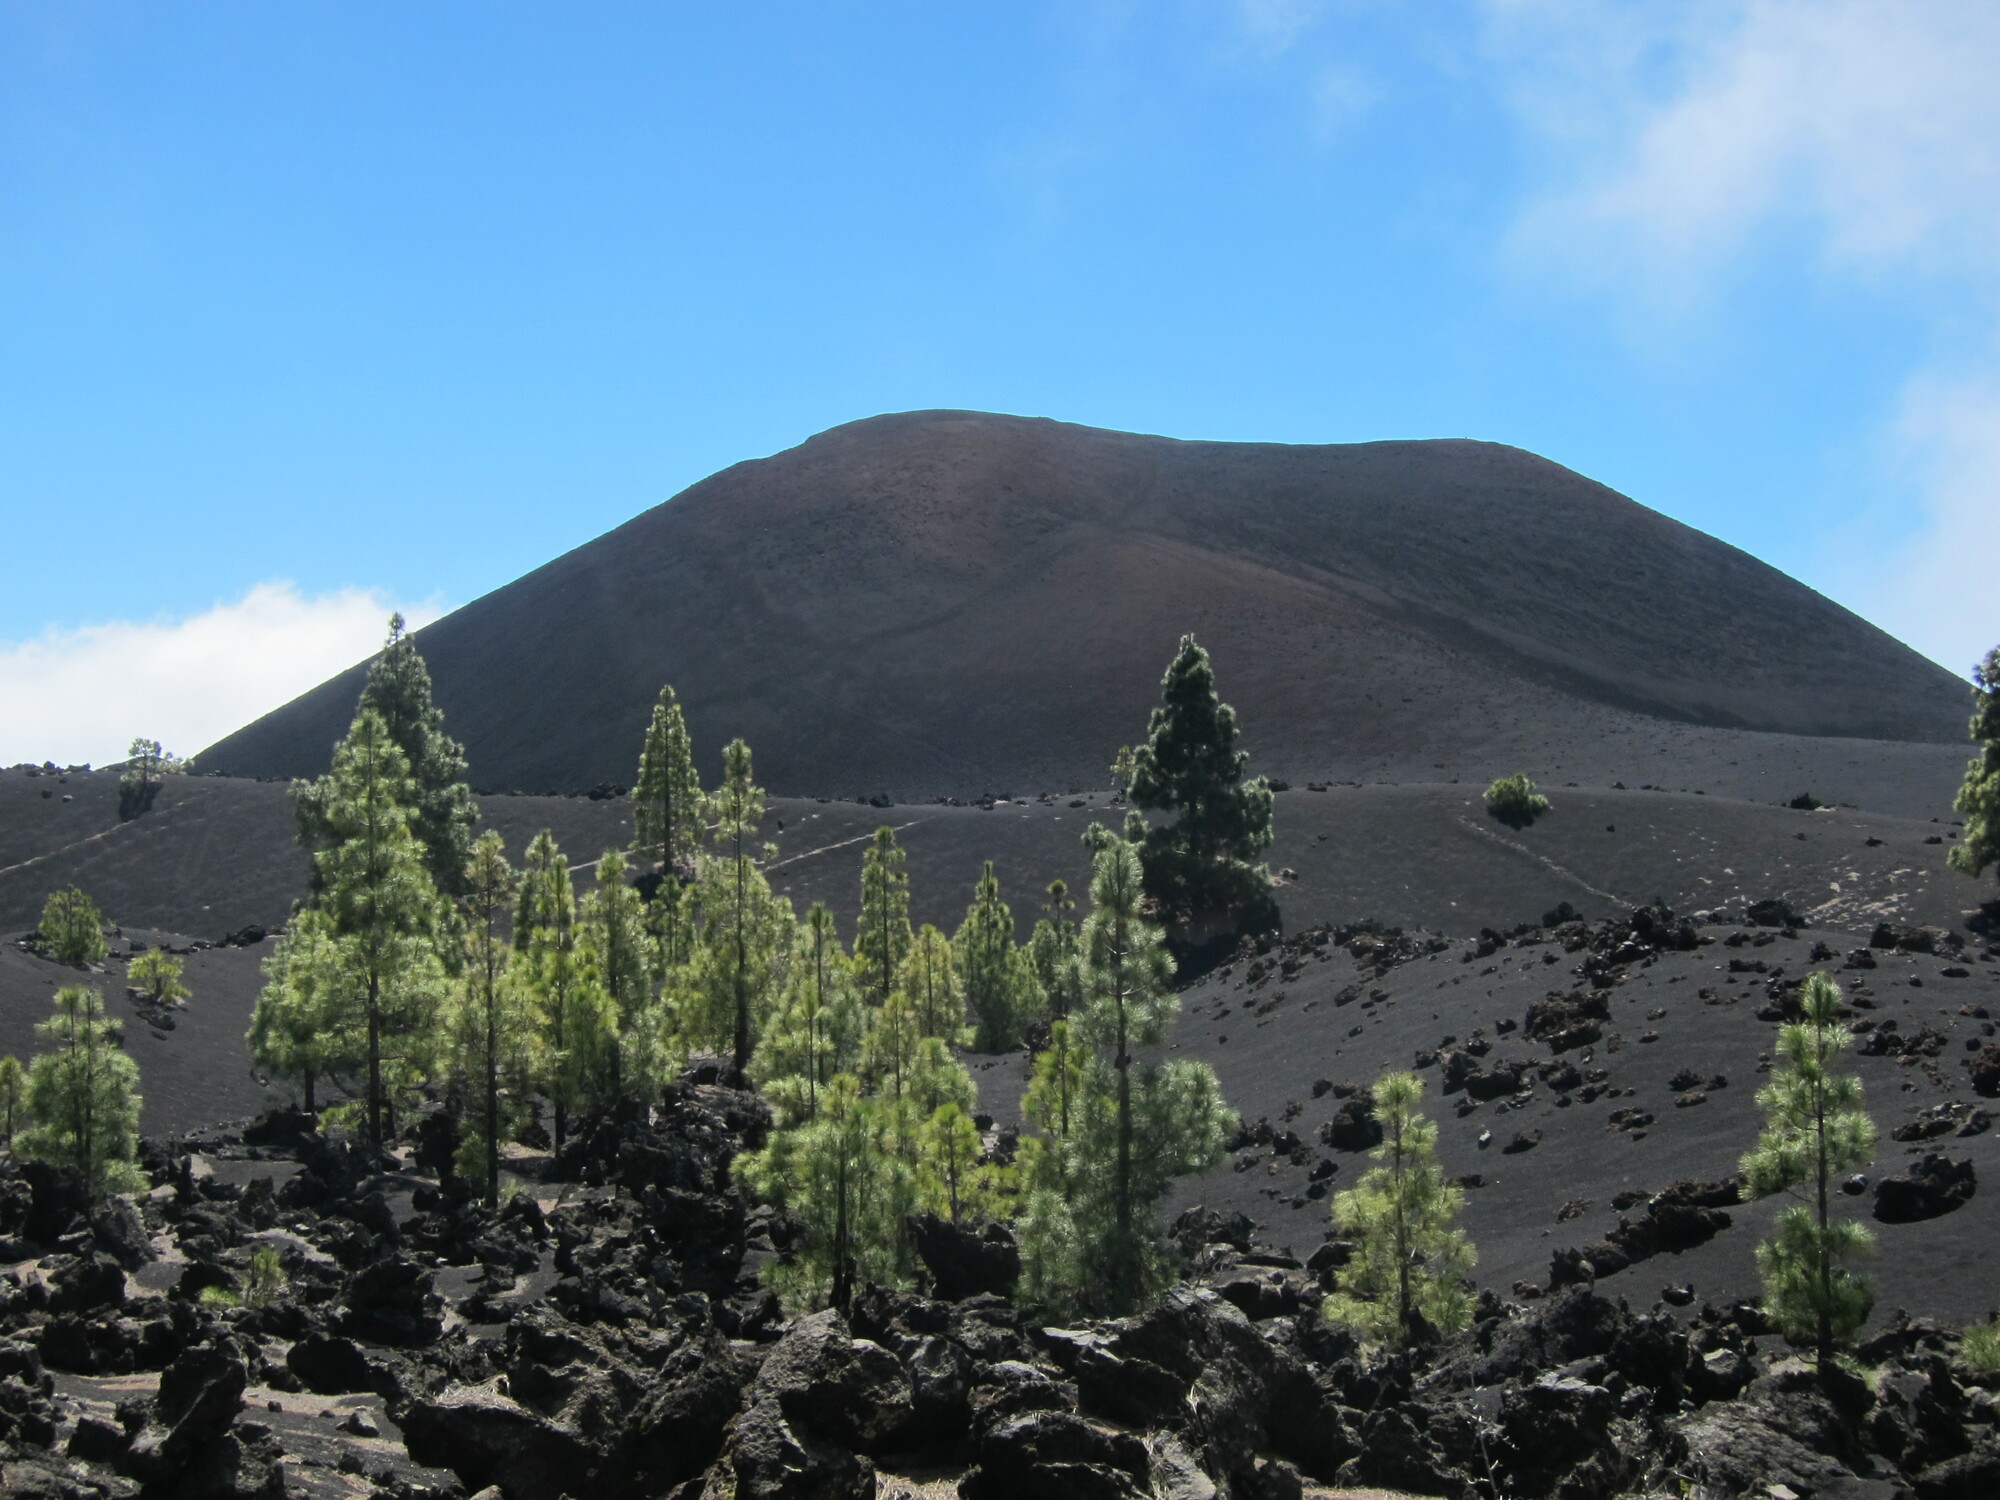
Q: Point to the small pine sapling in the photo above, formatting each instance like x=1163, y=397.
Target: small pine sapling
x=265, y=1281
x=1814, y=1129
x=1406, y=1279
x=156, y=974
x=83, y=1096
x=72, y=927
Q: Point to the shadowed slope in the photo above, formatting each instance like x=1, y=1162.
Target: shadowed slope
x=956, y=602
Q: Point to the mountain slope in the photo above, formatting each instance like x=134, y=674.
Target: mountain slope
x=953, y=602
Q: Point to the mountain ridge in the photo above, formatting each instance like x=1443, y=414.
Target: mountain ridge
x=937, y=602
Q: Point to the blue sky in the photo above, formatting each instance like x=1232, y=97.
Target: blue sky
x=307, y=310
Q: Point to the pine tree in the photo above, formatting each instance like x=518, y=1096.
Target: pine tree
x=882, y=939
x=307, y=1023
x=1050, y=1246
x=992, y=967
x=1053, y=1104
x=1134, y=1126
x=937, y=1078
x=673, y=921
x=158, y=973
x=614, y=935
x=1979, y=796
x=817, y=1031
x=380, y=897
x=147, y=767
x=1814, y=1129
x=442, y=811
x=492, y=1024
x=951, y=1162
x=1409, y=1264
x=836, y=1176
x=930, y=981
x=889, y=1046
x=1198, y=867
x=83, y=1096
x=72, y=927
x=748, y=930
x=577, y=1021
x=666, y=802
x=1052, y=953
x=13, y=1096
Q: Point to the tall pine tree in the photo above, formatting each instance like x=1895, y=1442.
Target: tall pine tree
x=1979, y=796
x=442, y=811
x=491, y=1026
x=1198, y=866
x=931, y=983
x=613, y=927
x=13, y=1097
x=1134, y=1126
x=379, y=895
x=992, y=967
x=666, y=801
x=836, y=1175
x=747, y=932
x=577, y=1022
x=1814, y=1129
x=1052, y=954
x=882, y=938
x=817, y=1029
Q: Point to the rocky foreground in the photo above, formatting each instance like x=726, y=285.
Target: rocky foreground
x=605, y=1335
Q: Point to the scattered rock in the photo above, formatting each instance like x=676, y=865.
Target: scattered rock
x=1929, y=1189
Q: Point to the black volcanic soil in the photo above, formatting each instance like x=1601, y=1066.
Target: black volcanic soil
x=1424, y=857
x=958, y=603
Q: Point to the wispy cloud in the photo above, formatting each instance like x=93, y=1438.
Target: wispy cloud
x=1271, y=26
x=1677, y=135
x=82, y=694
x=1936, y=584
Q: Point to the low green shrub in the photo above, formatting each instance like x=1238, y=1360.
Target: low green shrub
x=1979, y=1347
x=1514, y=800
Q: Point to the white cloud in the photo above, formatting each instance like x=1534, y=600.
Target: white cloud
x=1934, y=590
x=1687, y=129
x=82, y=694
x=1677, y=133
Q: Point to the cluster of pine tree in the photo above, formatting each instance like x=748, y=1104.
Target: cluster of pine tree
x=422, y=959
x=77, y=1104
